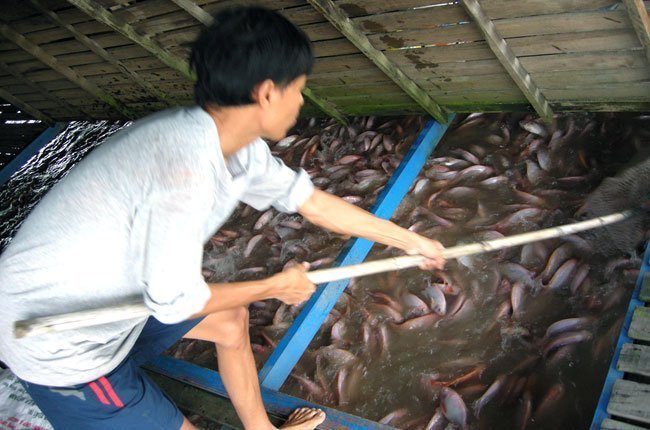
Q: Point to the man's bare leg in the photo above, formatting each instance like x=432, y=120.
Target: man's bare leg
x=229, y=331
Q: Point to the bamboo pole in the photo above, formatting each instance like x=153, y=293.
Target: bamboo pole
x=132, y=310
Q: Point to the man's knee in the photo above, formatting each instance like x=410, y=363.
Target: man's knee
x=233, y=331
x=226, y=328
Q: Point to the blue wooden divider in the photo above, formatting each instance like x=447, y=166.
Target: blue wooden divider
x=306, y=325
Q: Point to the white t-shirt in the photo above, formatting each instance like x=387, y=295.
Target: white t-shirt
x=129, y=222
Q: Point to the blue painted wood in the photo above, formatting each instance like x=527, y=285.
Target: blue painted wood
x=31, y=150
x=289, y=350
x=274, y=402
x=614, y=374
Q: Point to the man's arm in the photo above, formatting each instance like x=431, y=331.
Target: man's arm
x=290, y=286
x=335, y=214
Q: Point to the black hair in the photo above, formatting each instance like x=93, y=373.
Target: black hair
x=242, y=48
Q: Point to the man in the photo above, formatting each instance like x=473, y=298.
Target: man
x=130, y=220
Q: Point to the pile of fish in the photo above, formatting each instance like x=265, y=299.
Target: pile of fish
x=519, y=338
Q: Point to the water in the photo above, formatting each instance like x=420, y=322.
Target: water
x=29, y=184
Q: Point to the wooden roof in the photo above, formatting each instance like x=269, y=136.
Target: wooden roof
x=99, y=59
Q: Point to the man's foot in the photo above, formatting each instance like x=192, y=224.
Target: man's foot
x=304, y=419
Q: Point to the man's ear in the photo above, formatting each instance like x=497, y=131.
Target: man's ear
x=263, y=92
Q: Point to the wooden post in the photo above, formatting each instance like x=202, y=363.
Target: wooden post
x=342, y=22
x=66, y=71
x=641, y=23
x=509, y=61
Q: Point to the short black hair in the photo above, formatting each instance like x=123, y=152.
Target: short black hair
x=243, y=47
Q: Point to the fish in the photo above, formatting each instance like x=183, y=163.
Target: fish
x=413, y=306
x=490, y=394
x=517, y=273
x=437, y=300
x=534, y=127
x=264, y=219
x=517, y=299
x=566, y=339
x=563, y=275
x=453, y=407
x=552, y=396
x=568, y=324
x=580, y=275
x=561, y=254
x=252, y=244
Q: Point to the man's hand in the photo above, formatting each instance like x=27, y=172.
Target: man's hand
x=431, y=249
x=292, y=286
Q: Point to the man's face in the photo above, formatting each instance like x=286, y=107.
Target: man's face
x=284, y=108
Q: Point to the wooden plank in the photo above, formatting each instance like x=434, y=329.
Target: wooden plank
x=630, y=400
x=44, y=92
x=610, y=424
x=604, y=40
x=594, y=61
x=644, y=294
x=512, y=27
x=195, y=10
x=70, y=74
x=634, y=359
x=177, y=63
x=105, y=55
x=494, y=8
x=26, y=107
x=102, y=15
x=641, y=22
x=615, y=106
x=509, y=60
x=640, y=326
x=338, y=18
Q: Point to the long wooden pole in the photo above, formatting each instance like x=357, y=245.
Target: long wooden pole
x=91, y=317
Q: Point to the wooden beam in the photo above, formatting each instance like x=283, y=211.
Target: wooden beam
x=195, y=10
x=75, y=111
x=105, y=55
x=509, y=61
x=26, y=107
x=97, y=12
x=66, y=71
x=641, y=22
x=353, y=32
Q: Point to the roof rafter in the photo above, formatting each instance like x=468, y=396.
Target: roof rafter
x=43, y=91
x=349, y=29
x=26, y=107
x=97, y=12
x=195, y=10
x=641, y=22
x=105, y=55
x=510, y=62
x=66, y=71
